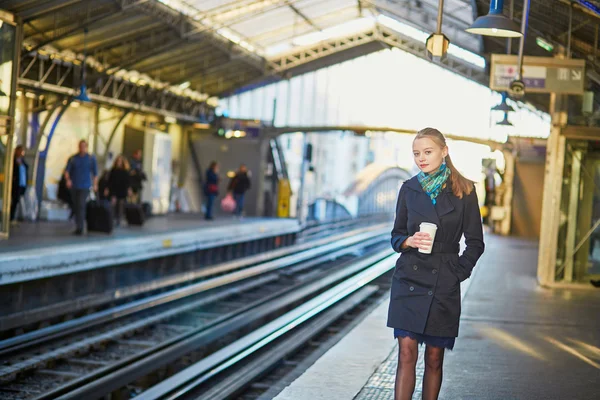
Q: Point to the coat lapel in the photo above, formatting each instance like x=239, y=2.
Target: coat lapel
x=444, y=203
x=423, y=206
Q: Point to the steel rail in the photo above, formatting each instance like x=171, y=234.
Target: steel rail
x=189, y=379
x=99, y=384
x=55, y=310
x=63, y=329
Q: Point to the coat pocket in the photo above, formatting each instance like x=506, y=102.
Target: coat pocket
x=399, y=271
x=457, y=269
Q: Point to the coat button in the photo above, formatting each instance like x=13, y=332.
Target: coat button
x=434, y=271
x=411, y=288
x=415, y=267
x=430, y=293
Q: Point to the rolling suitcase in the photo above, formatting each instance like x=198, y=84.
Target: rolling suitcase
x=147, y=208
x=99, y=216
x=134, y=214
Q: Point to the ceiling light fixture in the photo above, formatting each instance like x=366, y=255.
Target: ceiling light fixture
x=495, y=23
x=503, y=106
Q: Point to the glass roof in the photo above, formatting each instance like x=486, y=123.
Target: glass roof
x=272, y=27
x=269, y=27
x=263, y=26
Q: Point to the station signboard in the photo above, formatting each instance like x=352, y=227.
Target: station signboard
x=540, y=74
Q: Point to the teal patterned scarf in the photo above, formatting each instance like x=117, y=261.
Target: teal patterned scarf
x=433, y=182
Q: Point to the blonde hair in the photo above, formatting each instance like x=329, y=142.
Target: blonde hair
x=125, y=162
x=460, y=185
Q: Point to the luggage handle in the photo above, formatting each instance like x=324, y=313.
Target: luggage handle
x=93, y=196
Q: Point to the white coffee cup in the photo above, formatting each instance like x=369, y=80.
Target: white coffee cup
x=431, y=229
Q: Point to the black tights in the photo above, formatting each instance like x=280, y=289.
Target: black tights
x=406, y=373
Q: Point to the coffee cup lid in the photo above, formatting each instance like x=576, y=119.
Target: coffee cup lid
x=428, y=224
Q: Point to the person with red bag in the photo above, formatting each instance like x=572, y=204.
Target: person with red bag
x=211, y=188
x=238, y=186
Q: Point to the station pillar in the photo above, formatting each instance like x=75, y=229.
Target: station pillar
x=10, y=53
x=551, y=198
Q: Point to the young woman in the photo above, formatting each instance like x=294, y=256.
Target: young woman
x=19, y=180
x=119, y=186
x=425, y=294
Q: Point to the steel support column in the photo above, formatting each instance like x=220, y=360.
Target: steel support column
x=572, y=216
x=40, y=165
x=8, y=155
x=555, y=159
x=184, y=154
x=507, y=198
x=112, y=135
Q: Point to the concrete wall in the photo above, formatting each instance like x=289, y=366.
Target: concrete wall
x=230, y=154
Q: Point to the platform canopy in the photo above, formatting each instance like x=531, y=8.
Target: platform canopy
x=198, y=49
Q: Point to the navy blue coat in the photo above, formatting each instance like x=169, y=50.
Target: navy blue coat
x=425, y=293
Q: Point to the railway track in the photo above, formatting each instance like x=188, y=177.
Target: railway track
x=108, y=352
x=74, y=308
x=260, y=364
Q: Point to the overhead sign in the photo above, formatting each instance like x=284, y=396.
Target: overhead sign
x=540, y=74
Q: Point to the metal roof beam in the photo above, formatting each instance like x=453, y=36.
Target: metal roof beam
x=86, y=23
x=302, y=56
x=179, y=73
x=122, y=38
x=304, y=17
x=184, y=24
x=16, y=4
x=154, y=51
x=46, y=8
x=276, y=131
x=181, y=59
x=204, y=71
x=382, y=34
x=230, y=80
x=165, y=58
x=60, y=76
x=425, y=18
x=199, y=55
x=418, y=48
x=289, y=32
x=106, y=29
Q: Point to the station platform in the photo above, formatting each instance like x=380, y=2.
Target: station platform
x=42, y=249
x=517, y=341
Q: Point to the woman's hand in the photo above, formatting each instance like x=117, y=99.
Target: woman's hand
x=419, y=240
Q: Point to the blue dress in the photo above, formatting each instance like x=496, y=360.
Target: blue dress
x=436, y=341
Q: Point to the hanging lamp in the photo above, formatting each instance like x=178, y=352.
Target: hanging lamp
x=495, y=23
x=505, y=121
x=503, y=106
x=83, y=96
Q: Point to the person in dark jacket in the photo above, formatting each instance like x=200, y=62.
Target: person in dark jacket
x=119, y=186
x=65, y=195
x=137, y=176
x=425, y=293
x=239, y=185
x=19, y=179
x=211, y=188
x=103, y=189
